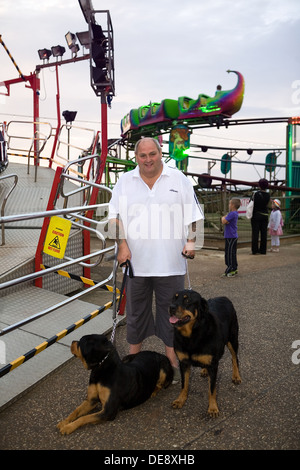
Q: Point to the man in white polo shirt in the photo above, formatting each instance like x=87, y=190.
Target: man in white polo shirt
x=155, y=211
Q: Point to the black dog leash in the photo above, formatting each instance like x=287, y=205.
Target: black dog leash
x=128, y=269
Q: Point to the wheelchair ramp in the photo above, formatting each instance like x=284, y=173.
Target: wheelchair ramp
x=24, y=303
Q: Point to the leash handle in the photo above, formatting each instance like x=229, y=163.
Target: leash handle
x=128, y=267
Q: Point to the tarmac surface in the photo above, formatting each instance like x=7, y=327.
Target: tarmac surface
x=263, y=413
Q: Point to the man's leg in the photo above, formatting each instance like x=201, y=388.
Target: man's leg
x=140, y=323
x=135, y=348
x=165, y=288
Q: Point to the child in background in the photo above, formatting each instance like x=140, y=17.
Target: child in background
x=231, y=237
x=275, y=226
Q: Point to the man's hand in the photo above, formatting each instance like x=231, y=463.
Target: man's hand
x=123, y=252
x=189, y=250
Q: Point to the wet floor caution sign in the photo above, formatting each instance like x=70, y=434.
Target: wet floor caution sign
x=57, y=237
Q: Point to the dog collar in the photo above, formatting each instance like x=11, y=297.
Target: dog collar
x=98, y=364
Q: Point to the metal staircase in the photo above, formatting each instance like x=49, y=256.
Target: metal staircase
x=38, y=307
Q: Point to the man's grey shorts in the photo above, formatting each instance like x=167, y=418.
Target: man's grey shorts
x=140, y=319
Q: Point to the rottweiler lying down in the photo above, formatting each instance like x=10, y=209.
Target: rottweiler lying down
x=115, y=383
x=202, y=329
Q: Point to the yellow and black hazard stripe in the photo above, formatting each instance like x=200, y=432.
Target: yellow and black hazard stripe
x=11, y=58
x=25, y=156
x=41, y=347
x=84, y=280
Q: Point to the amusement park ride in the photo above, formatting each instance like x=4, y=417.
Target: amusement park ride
x=173, y=117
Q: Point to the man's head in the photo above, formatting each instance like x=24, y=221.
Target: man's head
x=148, y=155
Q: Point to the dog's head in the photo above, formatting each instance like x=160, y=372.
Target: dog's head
x=91, y=349
x=186, y=308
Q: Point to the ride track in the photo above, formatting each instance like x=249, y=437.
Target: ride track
x=156, y=117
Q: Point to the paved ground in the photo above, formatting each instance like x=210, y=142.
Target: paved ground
x=261, y=414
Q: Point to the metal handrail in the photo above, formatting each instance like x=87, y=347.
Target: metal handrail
x=68, y=300
x=67, y=144
x=60, y=266
x=65, y=175
x=21, y=137
x=74, y=211
x=5, y=201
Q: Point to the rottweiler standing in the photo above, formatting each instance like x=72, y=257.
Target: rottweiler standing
x=202, y=329
x=117, y=384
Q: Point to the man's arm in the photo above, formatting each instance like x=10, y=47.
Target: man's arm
x=189, y=248
x=116, y=232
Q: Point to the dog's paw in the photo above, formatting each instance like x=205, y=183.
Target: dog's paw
x=213, y=411
x=236, y=379
x=61, y=424
x=178, y=403
x=66, y=428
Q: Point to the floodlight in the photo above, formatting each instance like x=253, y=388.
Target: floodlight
x=44, y=54
x=84, y=38
x=71, y=39
x=58, y=51
x=69, y=115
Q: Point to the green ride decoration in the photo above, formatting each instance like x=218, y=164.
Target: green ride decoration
x=179, y=142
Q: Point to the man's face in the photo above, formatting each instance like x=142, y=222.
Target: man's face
x=149, y=159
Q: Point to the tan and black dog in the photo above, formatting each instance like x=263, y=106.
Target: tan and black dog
x=117, y=384
x=202, y=329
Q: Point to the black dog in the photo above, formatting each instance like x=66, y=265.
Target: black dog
x=202, y=329
x=116, y=384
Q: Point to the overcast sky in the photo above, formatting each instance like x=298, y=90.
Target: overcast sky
x=165, y=49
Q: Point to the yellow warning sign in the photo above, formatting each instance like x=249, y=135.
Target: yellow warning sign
x=57, y=237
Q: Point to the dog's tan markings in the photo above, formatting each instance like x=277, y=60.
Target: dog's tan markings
x=213, y=409
x=77, y=418
x=182, y=397
x=187, y=329
x=68, y=425
x=76, y=351
x=202, y=358
x=160, y=383
x=236, y=378
x=74, y=348
x=103, y=394
x=181, y=355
